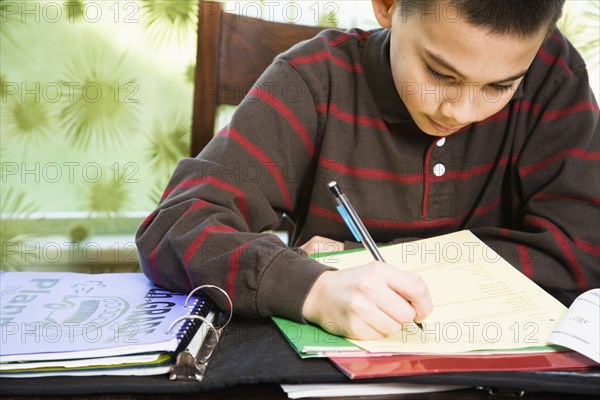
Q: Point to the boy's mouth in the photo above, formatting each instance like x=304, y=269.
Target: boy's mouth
x=442, y=128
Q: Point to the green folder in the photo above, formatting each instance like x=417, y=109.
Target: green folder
x=312, y=341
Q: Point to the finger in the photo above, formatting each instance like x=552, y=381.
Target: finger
x=311, y=247
x=382, y=323
x=331, y=246
x=377, y=291
x=412, y=288
x=395, y=306
x=362, y=330
x=320, y=244
x=371, y=308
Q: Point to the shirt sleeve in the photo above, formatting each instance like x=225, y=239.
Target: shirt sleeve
x=208, y=227
x=556, y=188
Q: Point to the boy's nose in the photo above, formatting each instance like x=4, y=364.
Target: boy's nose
x=462, y=110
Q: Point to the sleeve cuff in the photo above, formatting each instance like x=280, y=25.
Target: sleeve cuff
x=286, y=283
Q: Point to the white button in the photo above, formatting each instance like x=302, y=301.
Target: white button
x=439, y=169
x=441, y=142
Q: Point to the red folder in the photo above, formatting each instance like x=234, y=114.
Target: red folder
x=402, y=365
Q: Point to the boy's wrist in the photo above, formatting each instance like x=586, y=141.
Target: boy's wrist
x=310, y=308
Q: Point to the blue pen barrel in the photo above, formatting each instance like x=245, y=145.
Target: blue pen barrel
x=353, y=221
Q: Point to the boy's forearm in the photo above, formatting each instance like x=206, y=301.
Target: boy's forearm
x=194, y=242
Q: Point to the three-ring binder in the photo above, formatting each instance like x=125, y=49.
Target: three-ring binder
x=191, y=362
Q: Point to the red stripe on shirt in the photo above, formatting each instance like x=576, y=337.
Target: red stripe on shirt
x=325, y=55
x=517, y=106
x=564, y=247
x=197, y=205
x=545, y=196
x=587, y=247
x=499, y=116
x=524, y=105
x=577, y=153
x=152, y=264
x=286, y=113
x=240, y=198
x=406, y=225
x=525, y=261
x=386, y=224
x=354, y=119
x=264, y=160
x=559, y=39
x=234, y=266
x=426, y=178
x=575, y=108
x=344, y=37
x=467, y=174
x=369, y=173
x=550, y=60
x=148, y=219
x=193, y=247
x=486, y=209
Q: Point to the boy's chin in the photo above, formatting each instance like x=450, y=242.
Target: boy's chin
x=430, y=130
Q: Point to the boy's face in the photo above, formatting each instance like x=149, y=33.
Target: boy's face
x=451, y=74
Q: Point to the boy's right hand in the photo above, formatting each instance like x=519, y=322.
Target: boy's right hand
x=367, y=302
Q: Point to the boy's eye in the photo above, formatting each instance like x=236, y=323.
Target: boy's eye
x=436, y=75
x=503, y=88
x=441, y=77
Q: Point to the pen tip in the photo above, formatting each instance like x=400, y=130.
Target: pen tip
x=332, y=184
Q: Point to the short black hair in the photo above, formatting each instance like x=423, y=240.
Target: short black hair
x=521, y=18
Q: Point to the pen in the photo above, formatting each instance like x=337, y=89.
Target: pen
x=355, y=224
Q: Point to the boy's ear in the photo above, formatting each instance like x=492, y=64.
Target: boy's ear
x=383, y=12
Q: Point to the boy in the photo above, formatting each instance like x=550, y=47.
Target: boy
x=457, y=115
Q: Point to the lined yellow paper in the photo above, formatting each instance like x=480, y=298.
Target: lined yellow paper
x=481, y=302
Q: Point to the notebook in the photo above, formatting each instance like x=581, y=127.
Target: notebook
x=60, y=323
x=481, y=304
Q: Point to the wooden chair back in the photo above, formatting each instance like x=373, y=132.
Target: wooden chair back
x=233, y=51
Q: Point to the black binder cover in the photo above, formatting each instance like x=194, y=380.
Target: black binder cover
x=254, y=351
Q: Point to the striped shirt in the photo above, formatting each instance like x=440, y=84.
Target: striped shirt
x=525, y=180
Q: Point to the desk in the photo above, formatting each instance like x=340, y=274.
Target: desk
x=254, y=357
x=274, y=392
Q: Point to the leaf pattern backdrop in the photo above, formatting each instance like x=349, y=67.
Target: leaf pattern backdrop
x=93, y=95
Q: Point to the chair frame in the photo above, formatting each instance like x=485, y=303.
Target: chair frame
x=233, y=51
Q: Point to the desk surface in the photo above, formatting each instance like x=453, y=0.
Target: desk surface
x=274, y=392
x=253, y=352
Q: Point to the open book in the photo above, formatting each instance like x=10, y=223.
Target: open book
x=481, y=304
x=88, y=324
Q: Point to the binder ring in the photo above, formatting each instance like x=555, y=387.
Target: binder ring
x=220, y=290
x=194, y=316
